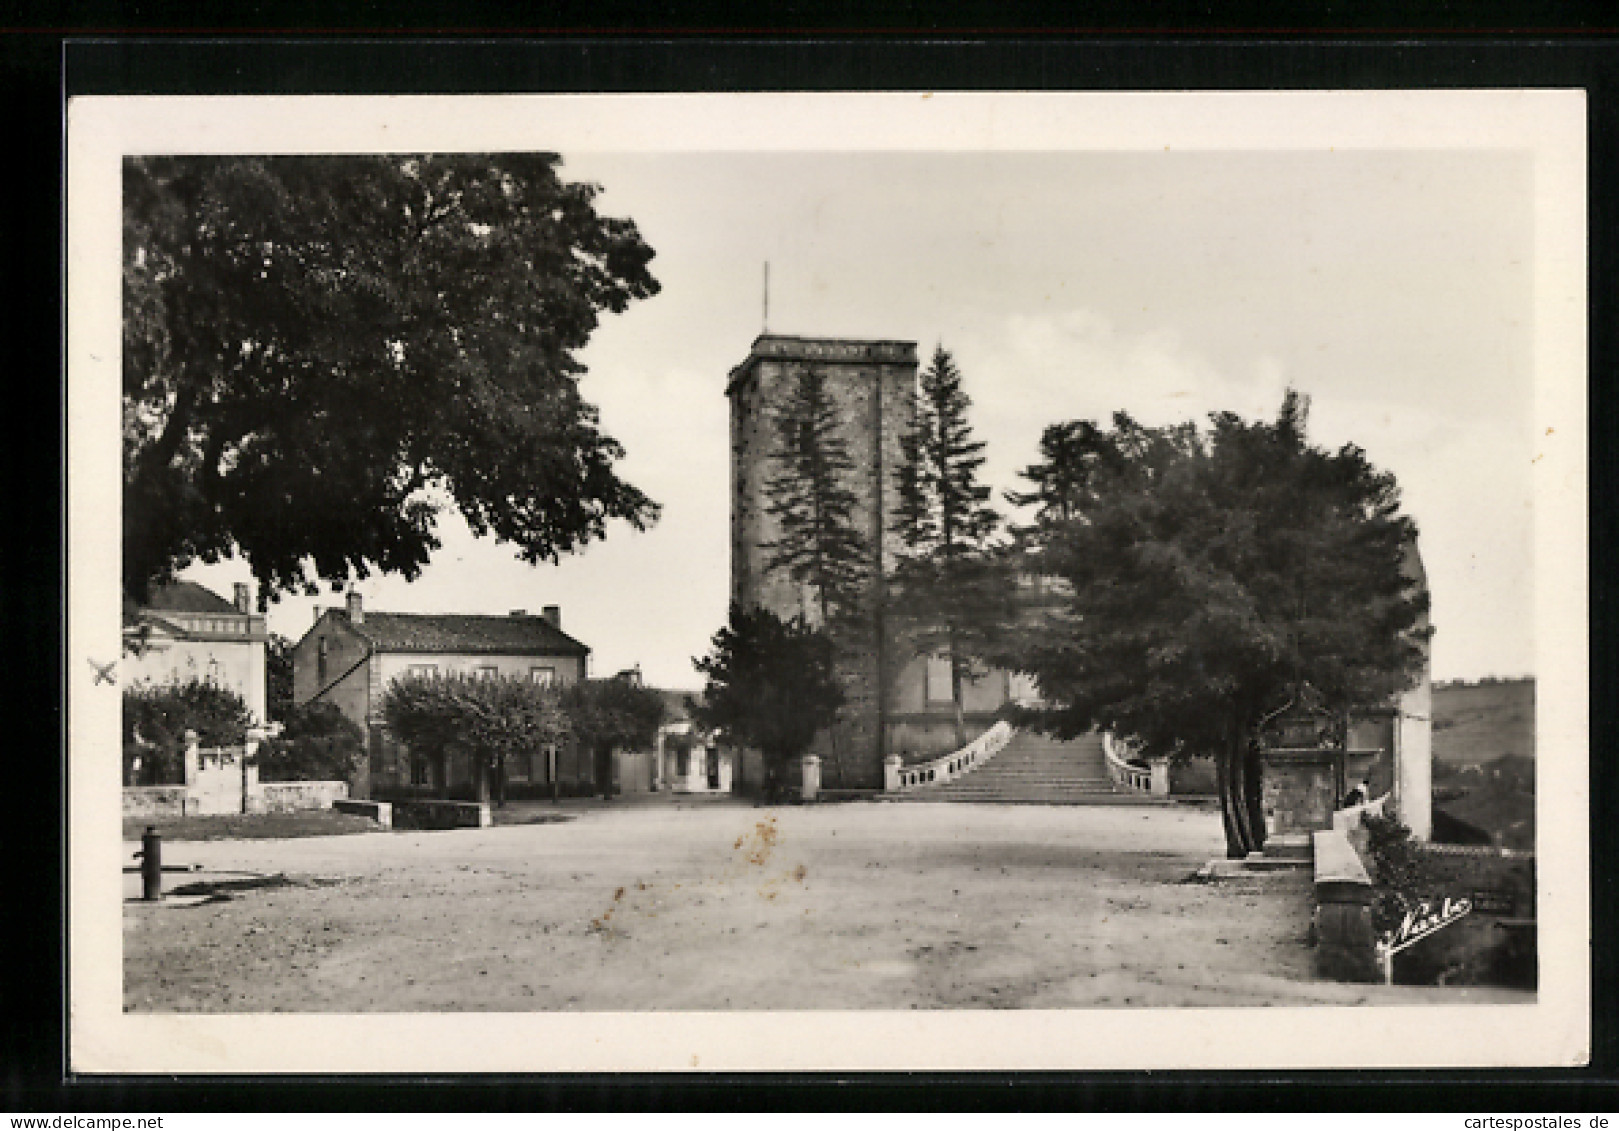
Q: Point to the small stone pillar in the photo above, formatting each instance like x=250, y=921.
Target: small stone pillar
x=891, y=768
x=810, y=784
x=1160, y=776
x=193, y=758
x=252, y=796
x=725, y=771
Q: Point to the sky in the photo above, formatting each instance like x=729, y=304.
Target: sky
x=1394, y=288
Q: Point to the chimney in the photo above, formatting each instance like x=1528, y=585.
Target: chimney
x=553, y=613
x=519, y=612
x=356, y=611
x=244, y=599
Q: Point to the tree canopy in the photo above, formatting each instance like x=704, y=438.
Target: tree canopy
x=317, y=743
x=492, y=720
x=771, y=686
x=1216, y=577
x=611, y=714
x=321, y=353
x=157, y=716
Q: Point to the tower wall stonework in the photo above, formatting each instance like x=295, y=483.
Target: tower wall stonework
x=873, y=383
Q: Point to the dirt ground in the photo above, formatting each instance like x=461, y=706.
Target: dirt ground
x=727, y=906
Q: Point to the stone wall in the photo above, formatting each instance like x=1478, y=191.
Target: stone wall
x=434, y=814
x=154, y=800
x=291, y=796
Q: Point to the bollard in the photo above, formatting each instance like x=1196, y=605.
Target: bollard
x=151, y=855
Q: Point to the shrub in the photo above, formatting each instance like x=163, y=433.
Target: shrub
x=1470, y=952
x=157, y=716
x=318, y=743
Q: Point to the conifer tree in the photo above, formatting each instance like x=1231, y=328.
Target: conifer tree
x=772, y=685
x=952, y=585
x=809, y=496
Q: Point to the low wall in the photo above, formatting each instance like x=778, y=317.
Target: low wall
x=425, y=814
x=264, y=797
x=381, y=812
x=1346, y=941
x=290, y=796
x=154, y=800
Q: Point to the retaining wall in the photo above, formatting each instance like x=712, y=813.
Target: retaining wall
x=1346, y=942
x=154, y=800
x=381, y=812
x=426, y=814
x=290, y=796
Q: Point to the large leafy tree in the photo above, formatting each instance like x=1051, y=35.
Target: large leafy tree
x=952, y=586
x=1217, y=577
x=611, y=714
x=772, y=686
x=820, y=546
x=320, y=353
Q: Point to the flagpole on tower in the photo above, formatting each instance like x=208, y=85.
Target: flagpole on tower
x=764, y=321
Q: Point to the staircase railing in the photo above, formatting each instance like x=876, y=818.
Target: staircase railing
x=1132, y=779
x=950, y=766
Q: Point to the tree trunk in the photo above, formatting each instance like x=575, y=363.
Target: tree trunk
x=1253, y=769
x=1242, y=809
x=1234, y=848
x=604, y=772
x=500, y=782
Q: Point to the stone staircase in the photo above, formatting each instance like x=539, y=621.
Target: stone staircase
x=1036, y=769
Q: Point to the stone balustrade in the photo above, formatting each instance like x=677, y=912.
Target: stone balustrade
x=900, y=778
x=1130, y=779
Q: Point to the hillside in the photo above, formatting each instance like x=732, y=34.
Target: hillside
x=1484, y=762
x=1476, y=723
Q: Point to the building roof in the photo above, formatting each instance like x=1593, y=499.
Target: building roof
x=466, y=633
x=674, y=702
x=188, y=597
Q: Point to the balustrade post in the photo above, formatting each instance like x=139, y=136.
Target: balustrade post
x=891, y=767
x=811, y=778
x=1160, y=777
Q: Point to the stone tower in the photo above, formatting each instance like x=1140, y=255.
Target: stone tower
x=874, y=385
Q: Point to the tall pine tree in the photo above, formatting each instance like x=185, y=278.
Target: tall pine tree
x=952, y=586
x=820, y=546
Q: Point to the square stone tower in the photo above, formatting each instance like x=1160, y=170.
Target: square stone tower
x=874, y=385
